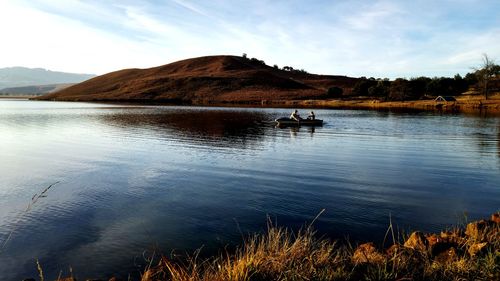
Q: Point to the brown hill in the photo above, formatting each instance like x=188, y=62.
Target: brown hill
x=204, y=80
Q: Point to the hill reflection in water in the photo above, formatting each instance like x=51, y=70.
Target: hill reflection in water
x=206, y=127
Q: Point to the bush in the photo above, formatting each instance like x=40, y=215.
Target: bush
x=400, y=90
x=419, y=86
x=381, y=89
x=335, y=92
x=362, y=86
x=255, y=60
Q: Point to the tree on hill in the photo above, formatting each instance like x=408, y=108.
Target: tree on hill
x=291, y=69
x=485, y=73
x=256, y=60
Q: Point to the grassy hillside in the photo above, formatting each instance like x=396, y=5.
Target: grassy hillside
x=204, y=80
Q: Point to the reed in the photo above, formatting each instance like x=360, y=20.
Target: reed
x=40, y=270
x=34, y=200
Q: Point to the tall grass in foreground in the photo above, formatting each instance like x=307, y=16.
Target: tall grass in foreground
x=279, y=254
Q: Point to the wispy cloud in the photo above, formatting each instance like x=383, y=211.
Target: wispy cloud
x=359, y=38
x=375, y=16
x=190, y=7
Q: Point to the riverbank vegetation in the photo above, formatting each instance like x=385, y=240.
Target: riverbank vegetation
x=467, y=253
x=472, y=253
x=484, y=80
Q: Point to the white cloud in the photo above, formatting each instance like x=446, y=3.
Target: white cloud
x=372, y=17
x=34, y=38
x=379, y=38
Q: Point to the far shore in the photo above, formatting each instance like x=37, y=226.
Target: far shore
x=460, y=105
x=466, y=104
x=17, y=97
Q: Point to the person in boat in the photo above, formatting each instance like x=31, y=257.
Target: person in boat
x=295, y=115
x=311, y=116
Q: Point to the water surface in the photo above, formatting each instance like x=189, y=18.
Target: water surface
x=132, y=179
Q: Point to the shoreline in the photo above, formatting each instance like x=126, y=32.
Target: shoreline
x=471, y=252
x=429, y=105
x=461, y=105
x=18, y=97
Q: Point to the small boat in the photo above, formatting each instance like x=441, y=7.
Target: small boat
x=303, y=122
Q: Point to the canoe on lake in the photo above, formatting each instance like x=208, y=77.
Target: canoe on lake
x=303, y=122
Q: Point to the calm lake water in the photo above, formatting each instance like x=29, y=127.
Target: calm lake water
x=132, y=179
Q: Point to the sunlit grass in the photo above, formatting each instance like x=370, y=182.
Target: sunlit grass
x=462, y=253
x=280, y=254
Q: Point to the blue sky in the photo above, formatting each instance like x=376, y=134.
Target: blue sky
x=355, y=38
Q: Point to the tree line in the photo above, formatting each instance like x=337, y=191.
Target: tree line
x=483, y=79
x=284, y=68
x=402, y=89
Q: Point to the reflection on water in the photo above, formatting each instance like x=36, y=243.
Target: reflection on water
x=225, y=128
x=295, y=130
x=178, y=178
x=498, y=138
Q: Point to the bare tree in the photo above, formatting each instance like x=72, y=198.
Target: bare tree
x=485, y=73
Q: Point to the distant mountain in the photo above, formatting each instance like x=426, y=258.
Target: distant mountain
x=34, y=90
x=21, y=76
x=205, y=80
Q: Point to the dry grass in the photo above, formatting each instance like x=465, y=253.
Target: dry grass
x=470, y=253
x=202, y=81
x=280, y=254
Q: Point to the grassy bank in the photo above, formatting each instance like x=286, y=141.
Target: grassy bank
x=462, y=104
x=469, y=253
x=465, y=103
x=472, y=253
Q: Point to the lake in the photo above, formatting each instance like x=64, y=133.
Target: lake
x=130, y=180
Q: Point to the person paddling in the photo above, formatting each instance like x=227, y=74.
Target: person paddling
x=295, y=116
x=311, y=116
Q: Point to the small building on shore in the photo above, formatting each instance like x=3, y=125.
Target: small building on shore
x=445, y=99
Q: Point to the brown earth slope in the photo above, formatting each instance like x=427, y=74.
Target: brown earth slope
x=204, y=80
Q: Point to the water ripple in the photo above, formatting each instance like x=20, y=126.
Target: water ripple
x=133, y=178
